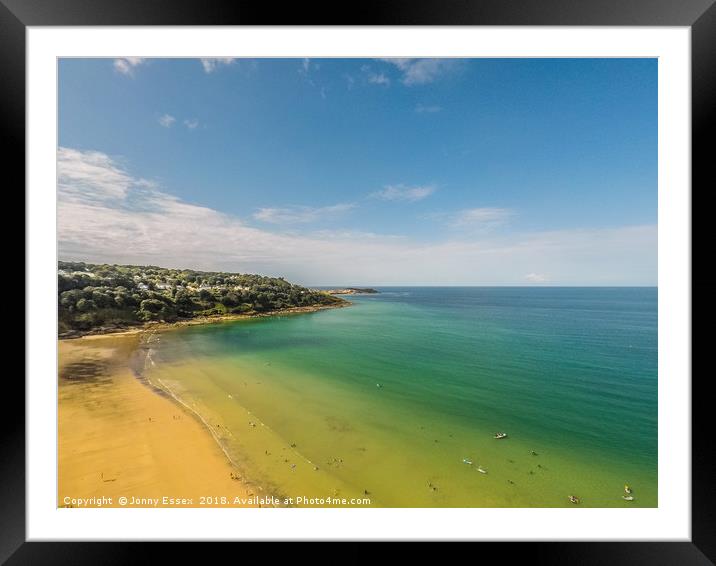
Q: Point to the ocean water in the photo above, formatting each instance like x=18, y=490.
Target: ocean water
x=397, y=397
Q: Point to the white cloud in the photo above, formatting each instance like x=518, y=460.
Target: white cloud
x=354, y=235
x=211, y=64
x=166, y=120
x=301, y=214
x=191, y=124
x=92, y=176
x=307, y=71
x=105, y=214
x=427, y=109
x=373, y=77
x=403, y=193
x=420, y=71
x=307, y=67
x=378, y=79
x=126, y=65
x=481, y=217
x=536, y=278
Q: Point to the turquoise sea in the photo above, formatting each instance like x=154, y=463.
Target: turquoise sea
x=397, y=397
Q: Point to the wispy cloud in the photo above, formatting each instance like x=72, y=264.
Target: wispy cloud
x=403, y=193
x=211, y=64
x=91, y=176
x=126, y=65
x=307, y=69
x=486, y=217
x=427, y=109
x=348, y=234
x=373, y=77
x=301, y=214
x=166, y=120
x=106, y=214
x=191, y=124
x=421, y=71
x=378, y=79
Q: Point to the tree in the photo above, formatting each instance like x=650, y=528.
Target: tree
x=85, y=305
x=116, y=295
x=154, y=309
x=230, y=300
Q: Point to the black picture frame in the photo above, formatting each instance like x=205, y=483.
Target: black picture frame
x=699, y=15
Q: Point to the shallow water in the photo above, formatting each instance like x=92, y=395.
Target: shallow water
x=391, y=395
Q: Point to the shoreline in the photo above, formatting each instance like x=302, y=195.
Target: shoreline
x=198, y=320
x=119, y=436
x=105, y=362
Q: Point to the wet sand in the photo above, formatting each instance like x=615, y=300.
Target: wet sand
x=119, y=437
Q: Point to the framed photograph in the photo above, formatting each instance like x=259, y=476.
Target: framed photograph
x=423, y=275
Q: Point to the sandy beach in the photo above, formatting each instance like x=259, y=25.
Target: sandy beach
x=119, y=437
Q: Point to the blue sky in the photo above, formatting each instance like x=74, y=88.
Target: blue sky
x=358, y=171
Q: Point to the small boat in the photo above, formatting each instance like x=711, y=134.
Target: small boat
x=500, y=435
x=481, y=470
x=378, y=385
x=574, y=499
x=627, y=489
x=467, y=461
x=628, y=497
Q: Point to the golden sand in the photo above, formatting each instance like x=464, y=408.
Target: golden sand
x=118, y=437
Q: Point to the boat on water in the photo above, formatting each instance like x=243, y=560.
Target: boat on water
x=628, y=497
x=574, y=499
x=467, y=461
x=481, y=470
x=500, y=435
